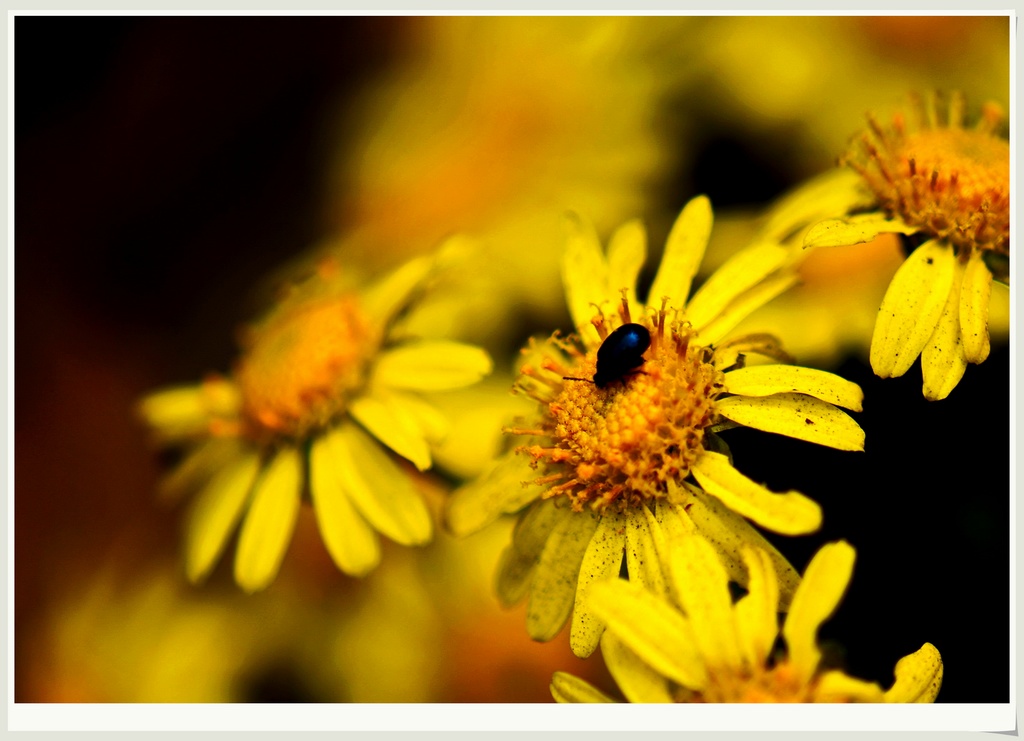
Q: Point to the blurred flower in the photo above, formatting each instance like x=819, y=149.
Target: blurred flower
x=144, y=638
x=323, y=382
x=710, y=649
x=948, y=187
x=476, y=134
x=614, y=454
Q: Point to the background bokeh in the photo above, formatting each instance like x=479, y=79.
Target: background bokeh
x=169, y=170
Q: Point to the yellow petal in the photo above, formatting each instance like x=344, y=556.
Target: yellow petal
x=201, y=463
x=702, y=585
x=627, y=251
x=918, y=676
x=519, y=561
x=388, y=296
x=790, y=513
x=757, y=622
x=795, y=415
x=975, y=298
x=184, y=411
x=765, y=380
x=732, y=535
x=431, y=365
x=943, y=361
x=391, y=423
x=659, y=635
x=817, y=597
x=568, y=688
x=684, y=251
x=585, y=275
x=637, y=681
x=602, y=560
x=835, y=686
x=270, y=521
x=553, y=589
x=503, y=489
x=431, y=421
x=380, y=490
x=911, y=308
x=743, y=305
x=215, y=514
x=833, y=193
x=642, y=560
x=854, y=230
x=349, y=539
x=740, y=273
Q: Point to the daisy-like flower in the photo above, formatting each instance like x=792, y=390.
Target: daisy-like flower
x=324, y=385
x=948, y=187
x=717, y=650
x=603, y=464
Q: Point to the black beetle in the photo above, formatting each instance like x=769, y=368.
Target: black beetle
x=621, y=352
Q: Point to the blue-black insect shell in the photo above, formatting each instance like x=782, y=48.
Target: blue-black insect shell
x=621, y=352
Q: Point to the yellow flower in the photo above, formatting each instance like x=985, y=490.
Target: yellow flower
x=948, y=187
x=640, y=450
x=715, y=650
x=323, y=382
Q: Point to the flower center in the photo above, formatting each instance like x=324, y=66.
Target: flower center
x=620, y=445
x=302, y=363
x=778, y=684
x=951, y=182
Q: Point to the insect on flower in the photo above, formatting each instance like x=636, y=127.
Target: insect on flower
x=622, y=351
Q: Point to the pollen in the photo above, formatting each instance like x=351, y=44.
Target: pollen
x=952, y=182
x=618, y=446
x=303, y=362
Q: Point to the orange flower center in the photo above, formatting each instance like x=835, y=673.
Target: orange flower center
x=303, y=363
x=952, y=182
x=620, y=445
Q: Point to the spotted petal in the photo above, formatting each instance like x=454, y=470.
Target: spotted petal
x=834, y=192
x=601, y=561
x=943, y=360
x=918, y=676
x=911, y=308
x=975, y=298
x=519, y=561
x=795, y=415
x=790, y=513
x=553, y=589
x=765, y=380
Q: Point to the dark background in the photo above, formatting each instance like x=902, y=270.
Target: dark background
x=163, y=166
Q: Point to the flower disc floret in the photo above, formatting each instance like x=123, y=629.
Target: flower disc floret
x=620, y=445
x=947, y=180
